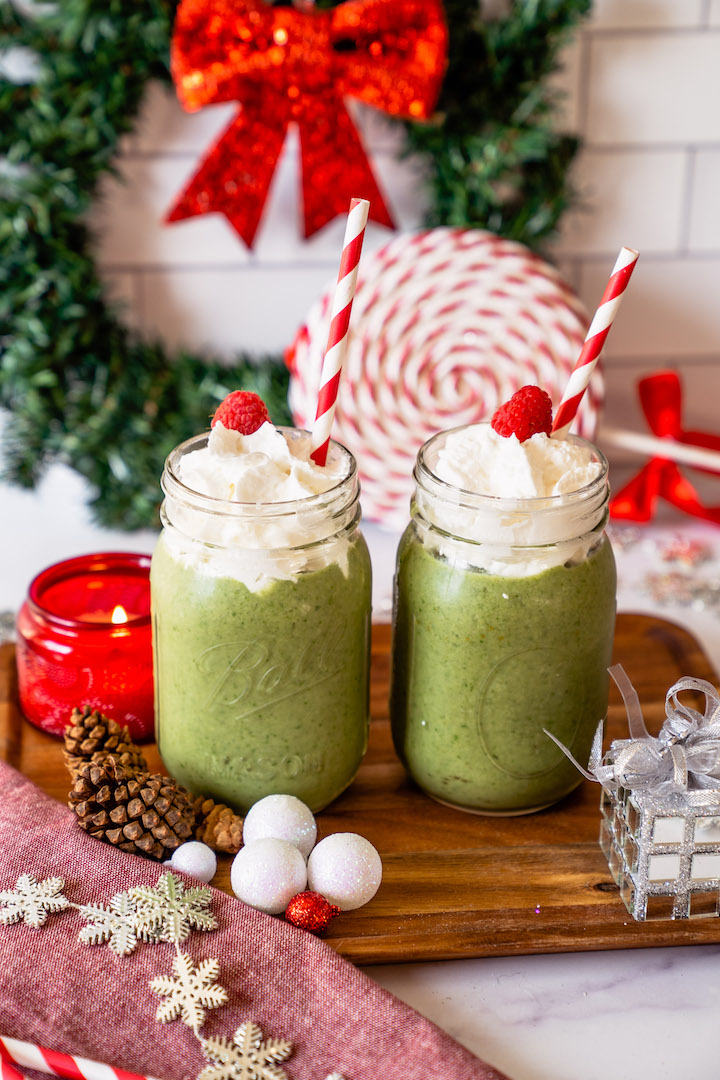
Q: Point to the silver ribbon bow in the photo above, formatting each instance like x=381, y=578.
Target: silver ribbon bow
x=684, y=757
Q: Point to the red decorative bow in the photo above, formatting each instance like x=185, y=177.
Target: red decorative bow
x=661, y=400
x=283, y=65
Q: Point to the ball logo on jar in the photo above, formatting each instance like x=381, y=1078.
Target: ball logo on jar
x=268, y=766
x=249, y=676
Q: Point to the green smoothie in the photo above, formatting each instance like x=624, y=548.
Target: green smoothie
x=483, y=663
x=261, y=692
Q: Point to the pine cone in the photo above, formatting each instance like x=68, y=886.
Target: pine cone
x=147, y=815
x=217, y=825
x=92, y=736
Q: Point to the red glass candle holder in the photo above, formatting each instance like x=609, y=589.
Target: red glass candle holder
x=84, y=638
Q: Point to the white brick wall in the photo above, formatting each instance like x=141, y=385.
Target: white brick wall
x=642, y=84
x=646, y=86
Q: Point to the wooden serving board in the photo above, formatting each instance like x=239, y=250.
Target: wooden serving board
x=455, y=884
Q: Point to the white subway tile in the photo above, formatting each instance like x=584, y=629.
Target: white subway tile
x=566, y=82
x=654, y=88
x=405, y=188
x=622, y=409
x=164, y=126
x=378, y=131
x=671, y=309
x=632, y=197
x=704, y=232
x=569, y=269
x=641, y=14
x=227, y=311
x=122, y=291
x=128, y=218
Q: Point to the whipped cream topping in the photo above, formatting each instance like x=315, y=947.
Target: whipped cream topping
x=477, y=459
x=259, y=468
x=514, y=508
x=270, y=521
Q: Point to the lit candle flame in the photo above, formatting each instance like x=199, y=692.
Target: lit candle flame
x=119, y=614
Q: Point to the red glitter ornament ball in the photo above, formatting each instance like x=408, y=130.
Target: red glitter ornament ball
x=311, y=911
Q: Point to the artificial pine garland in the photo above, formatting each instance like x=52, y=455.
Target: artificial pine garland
x=80, y=386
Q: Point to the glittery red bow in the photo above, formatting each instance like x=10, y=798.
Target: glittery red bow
x=661, y=400
x=283, y=65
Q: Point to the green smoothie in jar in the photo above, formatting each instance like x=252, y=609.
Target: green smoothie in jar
x=503, y=621
x=261, y=608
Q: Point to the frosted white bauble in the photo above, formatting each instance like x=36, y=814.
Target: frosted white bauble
x=346, y=869
x=195, y=859
x=267, y=873
x=283, y=817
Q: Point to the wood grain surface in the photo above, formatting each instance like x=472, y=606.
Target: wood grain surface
x=456, y=884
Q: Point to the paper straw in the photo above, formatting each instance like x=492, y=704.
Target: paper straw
x=337, y=338
x=594, y=341
x=698, y=457
x=30, y=1056
x=7, y=1072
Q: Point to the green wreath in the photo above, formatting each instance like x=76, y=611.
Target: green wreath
x=80, y=387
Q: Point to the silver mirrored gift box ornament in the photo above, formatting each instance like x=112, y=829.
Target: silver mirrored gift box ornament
x=664, y=854
x=660, y=805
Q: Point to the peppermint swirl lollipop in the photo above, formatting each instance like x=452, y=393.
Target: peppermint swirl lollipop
x=447, y=324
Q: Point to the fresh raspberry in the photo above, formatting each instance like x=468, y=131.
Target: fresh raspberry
x=241, y=411
x=527, y=412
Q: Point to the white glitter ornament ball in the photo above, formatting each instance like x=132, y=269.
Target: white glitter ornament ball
x=346, y=869
x=267, y=873
x=283, y=817
x=195, y=859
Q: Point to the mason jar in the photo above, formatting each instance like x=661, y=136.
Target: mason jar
x=261, y=619
x=504, y=614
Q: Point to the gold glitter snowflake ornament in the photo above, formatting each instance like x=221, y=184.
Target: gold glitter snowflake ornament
x=189, y=991
x=116, y=924
x=170, y=911
x=247, y=1057
x=32, y=901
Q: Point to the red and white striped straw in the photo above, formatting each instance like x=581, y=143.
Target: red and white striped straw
x=594, y=341
x=337, y=338
x=30, y=1056
x=7, y=1072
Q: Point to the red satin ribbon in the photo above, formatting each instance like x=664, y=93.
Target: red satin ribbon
x=287, y=65
x=661, y=400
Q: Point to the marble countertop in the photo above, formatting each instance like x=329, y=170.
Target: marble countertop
x=645, y=1013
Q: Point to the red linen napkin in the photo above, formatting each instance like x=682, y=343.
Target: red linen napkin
x=85, y=1000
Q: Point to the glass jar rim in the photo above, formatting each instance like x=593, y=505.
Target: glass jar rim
x=80, y=566
x=437, y=486
x=175, y=488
